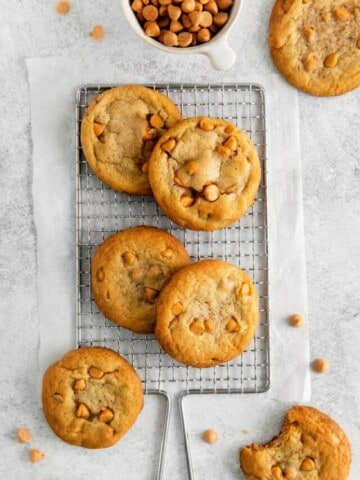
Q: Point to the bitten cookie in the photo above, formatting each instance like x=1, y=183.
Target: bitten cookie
x=204, y=173
x=91, y=397
x=316, y=44
x=311, y=446
x=128, y=271
x=207, y=313
x=118, y=133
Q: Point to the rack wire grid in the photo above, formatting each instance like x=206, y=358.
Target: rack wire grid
x=101, y=212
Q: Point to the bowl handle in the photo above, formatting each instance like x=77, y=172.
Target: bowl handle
x=221, y=55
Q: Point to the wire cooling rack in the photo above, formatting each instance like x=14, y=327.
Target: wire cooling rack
x=101, y=212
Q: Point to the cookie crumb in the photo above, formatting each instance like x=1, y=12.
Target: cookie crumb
x=35, y=455
x=63, y=7
x=23, y=435
x=320, y=365
x=245, y=431
x=98, y=32
x=210, y=436
x=296, y=320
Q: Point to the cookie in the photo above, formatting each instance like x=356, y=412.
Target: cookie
x=91, y=397
x=204, y=173
x=311, y=446
x=316, y=44
x=128, y=271
x=118, y=132
x=207, y=313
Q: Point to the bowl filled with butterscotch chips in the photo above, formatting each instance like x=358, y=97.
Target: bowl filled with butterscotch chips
x=186, y=26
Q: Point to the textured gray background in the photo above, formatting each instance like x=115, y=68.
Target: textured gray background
x=330, y=153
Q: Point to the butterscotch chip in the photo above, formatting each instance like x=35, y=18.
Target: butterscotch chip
x=313, y=45
x=98, y=32
x=174, y=12
x=320, y=365
x=127, y=295
x=152, y=29
x=100, y=415
x=199, y=337
x=63, y=7
x=221, y=18
x=310, y=445
x=124, y=113
x=196, y=198
x=23, y=435
x=210, y=436
x=79, y=385
x=150, y=13
x=35, y=455
x=184, y=39
x=296, y=320
x=95, y=372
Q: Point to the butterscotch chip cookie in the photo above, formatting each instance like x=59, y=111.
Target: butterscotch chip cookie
x=128, y=271
x=310, y=446
x=316, y=44
x=91, y=397
x=207, y=313
x=204, y=173
x=118, y=132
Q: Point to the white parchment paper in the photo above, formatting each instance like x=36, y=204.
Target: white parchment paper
x=53, y=85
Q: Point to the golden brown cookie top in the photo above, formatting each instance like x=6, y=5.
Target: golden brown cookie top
x=316, y=44
x=204, y=173
x=128, y=271
x=311, y=446
x=118, y=132
x=207, y=313
x=91, y=397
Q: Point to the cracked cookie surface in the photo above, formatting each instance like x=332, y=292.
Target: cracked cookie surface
x=129, y=269
x=311, y=446
x=207, y=313
x=118, y=131
x=91, y=397
x=204, y=173
x=316, y=44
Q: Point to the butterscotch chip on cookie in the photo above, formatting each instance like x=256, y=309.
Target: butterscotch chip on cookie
x=204, y=173
x=207, y=313
x=128, y=271
x=99, y=413
x=310, y=446
x=118, y=132
x=316, y=44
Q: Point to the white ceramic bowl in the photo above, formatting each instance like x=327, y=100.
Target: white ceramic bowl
x=220, y=54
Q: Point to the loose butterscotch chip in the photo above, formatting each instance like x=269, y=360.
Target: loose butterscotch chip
x=152, y=29
x=184, y=39
x=210, y=436
x=320, y=365
x=174, y=12
x=221, y=18
x=63, y=7
x=150, y=13
x=98, y=32
x=296, y=320
x=23, y=435
x=95, y=372
x=35, y=455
